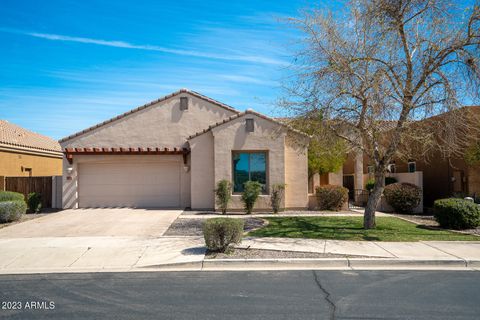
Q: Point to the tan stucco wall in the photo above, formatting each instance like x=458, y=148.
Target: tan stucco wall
x=296, y=172
x=266, y=137
x=474, y=180
x=11, y=165
x=202, y=172
x=160, y=125
x=70, y=187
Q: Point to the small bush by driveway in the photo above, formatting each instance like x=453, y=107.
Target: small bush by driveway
x=194, y=227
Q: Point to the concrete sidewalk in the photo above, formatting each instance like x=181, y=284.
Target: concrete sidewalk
x=431, y=250
x=103, y=254
x=95, y=254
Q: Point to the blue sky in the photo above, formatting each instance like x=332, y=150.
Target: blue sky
x=66, y=65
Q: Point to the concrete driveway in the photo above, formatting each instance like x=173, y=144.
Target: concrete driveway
x=94, y=240
x=141, y=223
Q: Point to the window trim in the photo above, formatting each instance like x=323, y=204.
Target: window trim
x=267, y=170
x=414, y=166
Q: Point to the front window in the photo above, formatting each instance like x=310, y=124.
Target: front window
x=249, y=166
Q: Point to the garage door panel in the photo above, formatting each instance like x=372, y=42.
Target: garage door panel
x=155, y=184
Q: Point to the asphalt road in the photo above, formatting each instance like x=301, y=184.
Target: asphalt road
x=243, y=295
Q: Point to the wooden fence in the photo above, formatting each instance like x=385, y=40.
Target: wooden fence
x=25, y=185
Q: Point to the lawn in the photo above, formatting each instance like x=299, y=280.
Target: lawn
x=351, y=228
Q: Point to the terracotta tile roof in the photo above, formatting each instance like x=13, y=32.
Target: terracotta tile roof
x=245, y=113
x=15, y=136
x=193, y=93
x=70, y=152
x=126, y=150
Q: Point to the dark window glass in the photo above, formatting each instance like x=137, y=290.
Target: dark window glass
x=249, y=166
x=412, y=167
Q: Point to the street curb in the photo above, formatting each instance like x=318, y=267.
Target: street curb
x=319, y=263
x=405, y=263
x=228, y=264
x=191, y=265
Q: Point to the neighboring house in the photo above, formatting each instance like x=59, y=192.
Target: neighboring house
x=172, y=151
x=24, y=153
x=438, y=177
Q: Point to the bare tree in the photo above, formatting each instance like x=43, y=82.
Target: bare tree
x=392, y=62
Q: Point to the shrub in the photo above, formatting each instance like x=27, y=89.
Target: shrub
x=371, y=183
x=251, y=191
x=223, y=194
x=278, y=191
x=12, y=210
x=11, y=196
x=455, y=213
x=219, y=233
x=34, y=202
x=403, y=197
x=330, y=197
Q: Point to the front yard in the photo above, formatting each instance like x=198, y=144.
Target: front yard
x=351, y=228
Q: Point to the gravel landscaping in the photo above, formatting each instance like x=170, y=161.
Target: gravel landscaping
x=268, y=254
x=193, y=227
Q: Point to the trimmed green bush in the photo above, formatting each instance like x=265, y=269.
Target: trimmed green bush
x=12, y=210
x=219, y=233
x=251, y=191
x=34, y=202
x=278, y=191
x=330, y=197
x=453, y=213
x=403, y=197
x=11, y=196
x=223, y=194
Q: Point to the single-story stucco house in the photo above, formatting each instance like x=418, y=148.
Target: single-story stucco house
x=171, y=152
x=24, y=153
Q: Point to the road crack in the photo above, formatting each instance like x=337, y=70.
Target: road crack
x=326, y=295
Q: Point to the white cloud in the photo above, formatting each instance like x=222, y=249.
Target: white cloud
x=127, y=45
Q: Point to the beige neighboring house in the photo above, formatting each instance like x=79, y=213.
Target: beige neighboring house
x=24, y=153
x=172, y=151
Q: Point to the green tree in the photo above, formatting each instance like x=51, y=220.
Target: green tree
x=326, y=152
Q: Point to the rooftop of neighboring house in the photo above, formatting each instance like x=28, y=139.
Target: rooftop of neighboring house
x=15, y=137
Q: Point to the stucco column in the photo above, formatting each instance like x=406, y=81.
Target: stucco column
x=316, y=181
x=358, y=173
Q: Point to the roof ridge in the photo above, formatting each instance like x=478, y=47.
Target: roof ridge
x=146, y=105
x=248, y=111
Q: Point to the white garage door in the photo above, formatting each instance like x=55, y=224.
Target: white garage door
x=136, y=185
